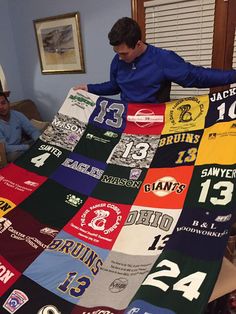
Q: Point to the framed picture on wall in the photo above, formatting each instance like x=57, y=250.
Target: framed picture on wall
x=59, y=44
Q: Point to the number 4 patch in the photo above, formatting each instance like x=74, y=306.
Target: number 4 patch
x=39, y=160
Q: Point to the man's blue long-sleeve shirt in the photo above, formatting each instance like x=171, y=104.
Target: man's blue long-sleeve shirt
x=11, y=132
x=141, y=80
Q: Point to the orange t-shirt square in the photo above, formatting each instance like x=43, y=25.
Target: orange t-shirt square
x=165, y=187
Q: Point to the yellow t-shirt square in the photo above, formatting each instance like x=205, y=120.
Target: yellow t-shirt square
x=187, y=114
x=218, y=145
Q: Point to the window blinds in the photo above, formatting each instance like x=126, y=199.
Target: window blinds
x=234, y=56
x=185, y=27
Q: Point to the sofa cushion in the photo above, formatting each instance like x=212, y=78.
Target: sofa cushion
x=28, y=108
x=40, y=125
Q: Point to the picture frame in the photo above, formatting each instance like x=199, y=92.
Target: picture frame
x=59, y=44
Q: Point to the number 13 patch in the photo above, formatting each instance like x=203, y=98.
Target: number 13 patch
x=212, y=186
x=109, y=115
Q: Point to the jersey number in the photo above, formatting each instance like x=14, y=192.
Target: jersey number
x=226, y=191
x=189, y=285
x=142, y=150
x=83, y=283
x=231, y=112
x=39, y=160
x=187, y=156
x=117, y=109
x=159, y=242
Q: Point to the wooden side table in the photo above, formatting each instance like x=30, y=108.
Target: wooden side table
x=3, y=159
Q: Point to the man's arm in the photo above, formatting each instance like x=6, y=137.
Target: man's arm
x=189, y=75
x=107, y=88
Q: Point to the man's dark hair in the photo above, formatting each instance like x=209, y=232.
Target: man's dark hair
x=4, y=95
x=125, y=30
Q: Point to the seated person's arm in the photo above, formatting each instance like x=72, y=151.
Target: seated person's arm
x=10, y=148
x=28, y=127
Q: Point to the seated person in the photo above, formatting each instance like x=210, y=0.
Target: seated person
x=12, y=126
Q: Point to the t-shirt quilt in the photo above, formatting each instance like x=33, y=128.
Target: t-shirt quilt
x=120, y=208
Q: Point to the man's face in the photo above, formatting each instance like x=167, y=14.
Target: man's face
x=127, y=54
x=4, y=107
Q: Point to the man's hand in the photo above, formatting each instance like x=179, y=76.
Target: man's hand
x=82, y=86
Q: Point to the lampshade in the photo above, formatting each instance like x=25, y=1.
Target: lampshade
x=3, y=82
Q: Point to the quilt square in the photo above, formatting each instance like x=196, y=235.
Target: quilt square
x=135, y=151
x=67, y=267
x=186, y=114
x=212, y=188
x=42, y=158
x=145, y=119
x=79, y=104
x=109, y=114
x=16, y=184
x=179, y=149
x=97, y=143
x=24, y=237
x=155, y=225
x=119, y=184
x=26, y=296
x=64, y=132
x=79, y=173
x=197, y=226
x=53, y=204
x=121, y=275
x=165, y=187
x=222, y=107
x=98, y=222
x=218, y=145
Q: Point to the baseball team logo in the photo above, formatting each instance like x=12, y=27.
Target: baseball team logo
x=186, y=114
x=49, y=231
x=118, y=285
x=135, y=174
x=31, y=183
x=96, y=217
x=15, y=300
x=111, y=134
x=165, y=186
x=98, y=222
x=134, y=310
x=186, y=110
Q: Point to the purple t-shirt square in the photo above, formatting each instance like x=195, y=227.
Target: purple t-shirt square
x=79, y=173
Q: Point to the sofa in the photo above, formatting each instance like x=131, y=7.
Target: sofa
x=30, y=110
